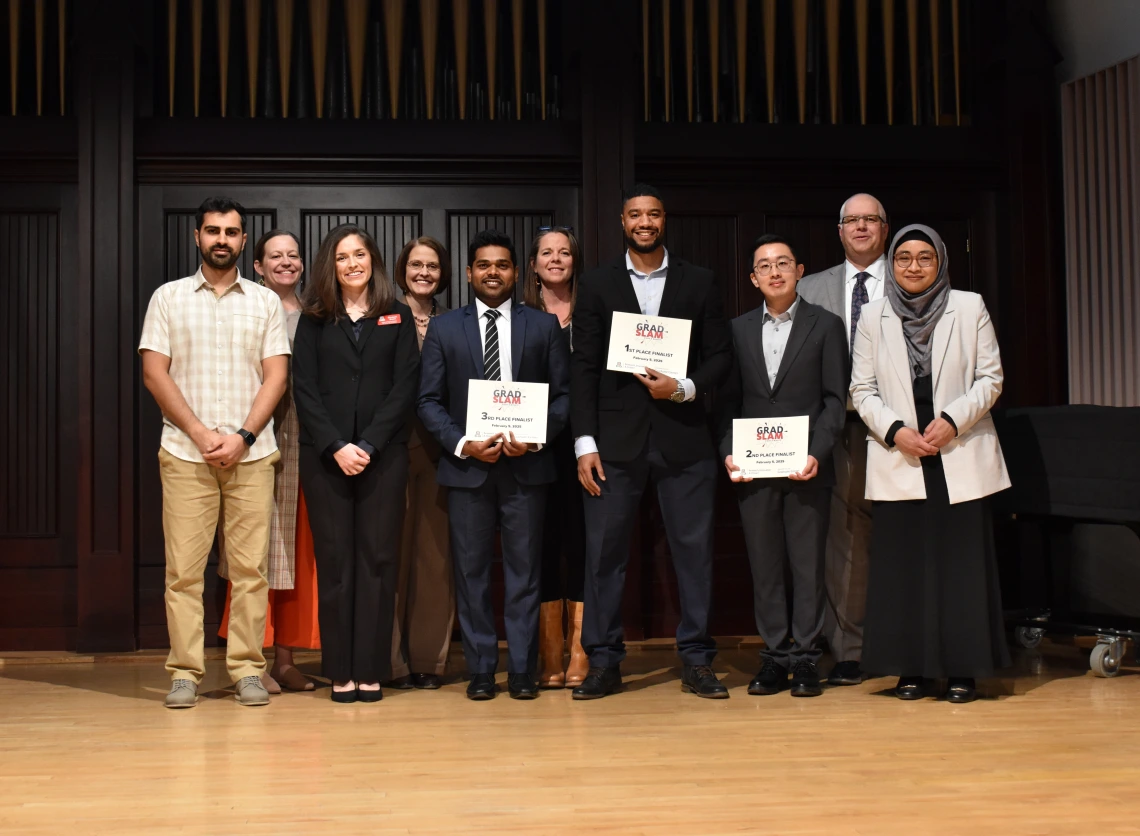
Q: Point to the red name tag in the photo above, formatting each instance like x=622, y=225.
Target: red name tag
x=390, y=319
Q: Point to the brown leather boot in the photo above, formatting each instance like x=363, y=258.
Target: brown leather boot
x=550, y=644
x=579, y=661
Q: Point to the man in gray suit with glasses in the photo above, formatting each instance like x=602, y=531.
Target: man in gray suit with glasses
x=844, y=290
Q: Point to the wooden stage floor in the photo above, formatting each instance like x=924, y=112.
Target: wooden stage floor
x=87, y=748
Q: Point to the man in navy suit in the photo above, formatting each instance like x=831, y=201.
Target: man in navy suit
x=497, y=479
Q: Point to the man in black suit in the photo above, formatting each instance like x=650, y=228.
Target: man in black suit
x=497, y=479
x=630, y=427
x=791, y=359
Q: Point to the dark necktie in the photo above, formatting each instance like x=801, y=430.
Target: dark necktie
x=491, y=347
x=858, y=300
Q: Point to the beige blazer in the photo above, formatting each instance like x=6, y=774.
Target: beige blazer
x=966, y=366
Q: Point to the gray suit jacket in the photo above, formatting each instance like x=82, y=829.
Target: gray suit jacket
x=826, y=290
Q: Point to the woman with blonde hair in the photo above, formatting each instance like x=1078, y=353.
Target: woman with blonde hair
x=551, y=286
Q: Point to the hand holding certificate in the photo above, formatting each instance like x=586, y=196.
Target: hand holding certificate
x=767, y=448
x=660, y=342
x=495, y=407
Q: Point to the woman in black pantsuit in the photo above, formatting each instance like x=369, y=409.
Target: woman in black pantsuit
x=355, y=375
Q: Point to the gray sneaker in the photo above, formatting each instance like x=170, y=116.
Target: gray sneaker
x=250, y=691
x=183, y=694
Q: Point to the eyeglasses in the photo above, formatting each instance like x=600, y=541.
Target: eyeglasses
x=869, y=220
x=925, y=259
x=764, y=268
x=543, y=229
x=416, y=266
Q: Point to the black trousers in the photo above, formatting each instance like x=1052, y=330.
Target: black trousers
x=357, y=523
x=785, y=531
x=472, y=513
x=563, y=535
x=687, y=495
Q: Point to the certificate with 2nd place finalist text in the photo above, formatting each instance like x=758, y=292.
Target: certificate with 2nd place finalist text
x=495, y=407
x=766, y=448
x=659, y=342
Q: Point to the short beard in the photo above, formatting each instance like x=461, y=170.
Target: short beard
x=644, y=249
x=209, y=258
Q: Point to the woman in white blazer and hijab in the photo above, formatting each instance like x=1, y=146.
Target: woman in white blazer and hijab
x=926, y=371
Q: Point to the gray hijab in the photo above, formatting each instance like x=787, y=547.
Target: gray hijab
x=919, y=312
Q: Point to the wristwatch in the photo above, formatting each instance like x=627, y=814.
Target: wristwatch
x=247, y=437
x=679, y=395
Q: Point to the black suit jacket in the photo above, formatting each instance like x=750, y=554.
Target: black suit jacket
x=348, y=390
x=616, y=409
x=812, y=380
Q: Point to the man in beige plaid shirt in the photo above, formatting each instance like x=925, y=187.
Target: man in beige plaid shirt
x=215, y=352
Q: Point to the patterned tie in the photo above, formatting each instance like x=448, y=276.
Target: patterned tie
x=491, y=347
x=859, y=298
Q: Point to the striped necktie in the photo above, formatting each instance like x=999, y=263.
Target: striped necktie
x=491, y=369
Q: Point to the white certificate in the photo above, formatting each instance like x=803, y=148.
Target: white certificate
x=495, y=407
x=765, y=448
x=660, y=342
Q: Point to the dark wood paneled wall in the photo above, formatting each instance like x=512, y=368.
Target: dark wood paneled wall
x=121, y=182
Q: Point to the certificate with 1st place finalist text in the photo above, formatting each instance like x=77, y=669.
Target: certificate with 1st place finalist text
x=495, y=407
x=766, y=448
x=659, y=342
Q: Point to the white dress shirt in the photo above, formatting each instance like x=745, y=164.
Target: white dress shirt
x=874, y=284
x=649, y=288
x=774, y=333
x=503, y=323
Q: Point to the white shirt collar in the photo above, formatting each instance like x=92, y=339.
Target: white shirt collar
x=786, y=316
x=878, y=269
x=504, y=309
x=200, y=281
x=633, y=271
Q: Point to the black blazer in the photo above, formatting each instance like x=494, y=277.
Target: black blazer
x=812, y=380
x=453, y=356
x=617, y=410
x=347, y=390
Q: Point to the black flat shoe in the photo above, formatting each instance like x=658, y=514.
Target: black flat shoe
x=805, y=679
x=845, y=673
x=345, y=696
x=522, y=686
x=482, y=687
x=702, y=681
x=427, y=681
x=369, y=696
x=909, y=688
x=772, y=679
x=598, y=683
x=961, y=689
x=400, y=683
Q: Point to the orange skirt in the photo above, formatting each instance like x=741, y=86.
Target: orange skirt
x=291, y=620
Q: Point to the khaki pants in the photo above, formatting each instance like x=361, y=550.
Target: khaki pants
x=425, y=589
x=194, y=497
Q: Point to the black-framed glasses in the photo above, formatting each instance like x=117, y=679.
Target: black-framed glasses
x=543, y=229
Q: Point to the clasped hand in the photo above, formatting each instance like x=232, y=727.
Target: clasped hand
x=938, y=434
x=221, y=450
x=489, y=449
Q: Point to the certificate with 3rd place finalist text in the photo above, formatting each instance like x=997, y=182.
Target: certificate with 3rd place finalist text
x=765, y=448
x=659, y=342
x=495, y=407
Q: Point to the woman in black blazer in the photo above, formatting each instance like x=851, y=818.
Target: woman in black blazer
x=355, y=375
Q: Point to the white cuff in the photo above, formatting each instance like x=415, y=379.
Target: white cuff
x=583, y=445
x=690, y=389
x=459, y=448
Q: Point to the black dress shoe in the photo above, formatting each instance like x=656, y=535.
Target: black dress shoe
x=344, y=696
x=961, y=689
x=845, y=673
x=909, y=688
x=369, y=696
x=702, y=681
x=427, y=681
x=598, y=683
x=805, y=679
x=522, y=686
x=400, y=683
x=772, y=679
x=482, y=687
